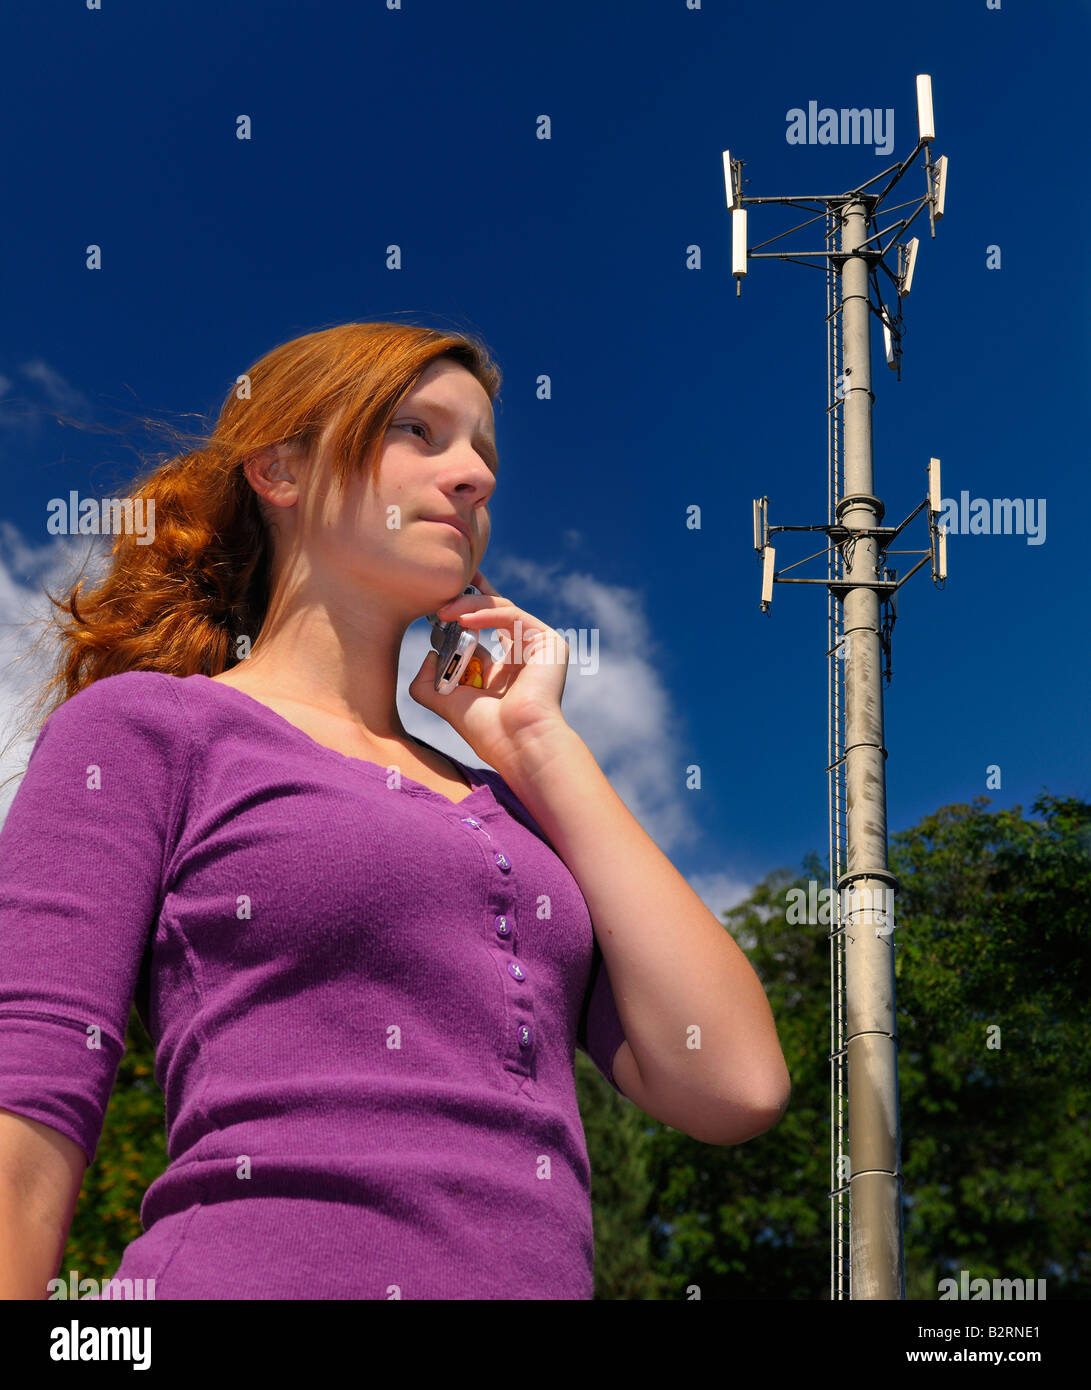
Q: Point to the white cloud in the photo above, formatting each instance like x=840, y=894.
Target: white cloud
x=623, y=711
x=25, y=572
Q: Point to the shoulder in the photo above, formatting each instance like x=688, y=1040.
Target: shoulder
x=147, y=703
x=127, y=692
x=124, y=737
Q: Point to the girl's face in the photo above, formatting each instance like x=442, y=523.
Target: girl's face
x=381, y=538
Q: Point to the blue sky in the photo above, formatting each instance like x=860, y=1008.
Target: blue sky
x=417, y=127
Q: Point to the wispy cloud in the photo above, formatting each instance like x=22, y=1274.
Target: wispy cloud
x=59, y=393
x=22, y=413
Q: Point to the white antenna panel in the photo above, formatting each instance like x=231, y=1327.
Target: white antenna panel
x=738, y=242
x=888, y=344
x=935, y=494
x=941, y=186
x=729, y=182
x=926, y=123
x=769, y=556
x=911, y=249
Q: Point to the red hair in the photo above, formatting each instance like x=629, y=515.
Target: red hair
x=178, y=603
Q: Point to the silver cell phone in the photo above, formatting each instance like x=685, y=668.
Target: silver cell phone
x=455, y=647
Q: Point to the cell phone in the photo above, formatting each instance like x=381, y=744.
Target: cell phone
x=455, y=647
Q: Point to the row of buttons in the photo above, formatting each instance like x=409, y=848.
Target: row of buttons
x=504, y=930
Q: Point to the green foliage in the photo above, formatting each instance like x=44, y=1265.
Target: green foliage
x=995, y=1148
x=992, y=934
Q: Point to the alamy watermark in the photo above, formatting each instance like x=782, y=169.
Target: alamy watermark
x=104, y=516
x=89, y=1287
x=95, y=1343
x=847, y=126
x=996, y=516
x=991, y=1288
x=813, y=906
x=551, y=645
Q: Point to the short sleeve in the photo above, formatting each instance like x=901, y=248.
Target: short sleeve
x=600, y=1032
x=81, y=865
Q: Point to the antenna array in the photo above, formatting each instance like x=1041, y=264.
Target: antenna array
x=866, y=1246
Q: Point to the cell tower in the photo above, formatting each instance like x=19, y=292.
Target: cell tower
x=866, y=1246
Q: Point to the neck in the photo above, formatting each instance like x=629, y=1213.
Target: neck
x=347, y=667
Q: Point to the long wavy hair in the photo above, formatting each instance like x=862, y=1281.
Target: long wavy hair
x=180, y=603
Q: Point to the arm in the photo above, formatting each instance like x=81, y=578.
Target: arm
x=41, y=1172
x=81, y=850
x=671, y=963
x=701, y=1051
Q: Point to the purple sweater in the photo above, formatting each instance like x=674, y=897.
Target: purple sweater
x=364, y=999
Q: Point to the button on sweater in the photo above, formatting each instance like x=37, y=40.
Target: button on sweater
x=365, y=1001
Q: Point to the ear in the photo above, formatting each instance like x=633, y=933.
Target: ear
x=271, y=474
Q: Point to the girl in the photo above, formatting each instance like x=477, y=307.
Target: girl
x=365, y=965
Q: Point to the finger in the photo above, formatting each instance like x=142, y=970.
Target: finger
x=469, y=603
x=488, y=616
x=496, y=613
x=422, y=686
x=513, y=624
x=510, y=622
x=506, y=622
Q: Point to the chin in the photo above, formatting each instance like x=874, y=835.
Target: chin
x=435, y=583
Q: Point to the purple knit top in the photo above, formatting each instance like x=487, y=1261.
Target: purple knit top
x=365, y=1002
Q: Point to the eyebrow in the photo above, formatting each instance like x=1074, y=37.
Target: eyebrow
x=484, y=442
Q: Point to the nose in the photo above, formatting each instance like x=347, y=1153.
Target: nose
x=470, y=476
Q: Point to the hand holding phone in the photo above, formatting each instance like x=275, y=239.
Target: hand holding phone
x=455, y=647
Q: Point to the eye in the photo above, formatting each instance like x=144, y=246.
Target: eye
x=411, y=425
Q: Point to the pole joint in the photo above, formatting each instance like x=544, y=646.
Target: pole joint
x=861, y=499
x=884, y=875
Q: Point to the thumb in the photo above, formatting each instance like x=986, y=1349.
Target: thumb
x=425, y=679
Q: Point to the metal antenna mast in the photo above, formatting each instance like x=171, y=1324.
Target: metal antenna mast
x=866, y=1248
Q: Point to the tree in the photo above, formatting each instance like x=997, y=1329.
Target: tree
x=993, y=979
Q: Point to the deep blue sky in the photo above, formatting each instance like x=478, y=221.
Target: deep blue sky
x=417, y=127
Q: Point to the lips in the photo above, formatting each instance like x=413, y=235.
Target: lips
x=456, y=522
